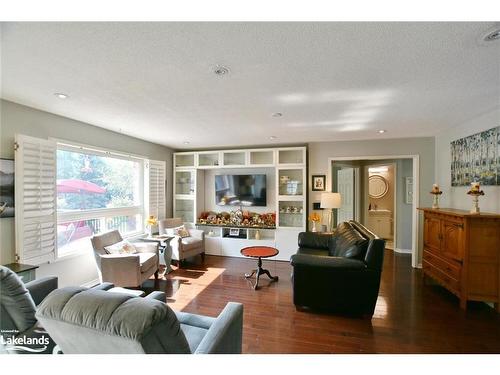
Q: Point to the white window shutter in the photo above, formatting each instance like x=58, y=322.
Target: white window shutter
x=36, y=200
x=156, y=173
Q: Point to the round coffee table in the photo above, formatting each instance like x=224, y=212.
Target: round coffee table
x=259, y=252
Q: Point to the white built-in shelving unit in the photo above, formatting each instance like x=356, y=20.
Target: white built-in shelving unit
x=289, y=164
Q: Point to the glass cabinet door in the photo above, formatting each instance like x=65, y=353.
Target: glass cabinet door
x=207, y=159
x=184, y=208
x=291, y=214
x=291, y=156
x=184, y=160
x=184, y=183
x=291, y=181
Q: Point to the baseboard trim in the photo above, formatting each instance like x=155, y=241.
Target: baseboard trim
x=402, y=251
x=91, y=283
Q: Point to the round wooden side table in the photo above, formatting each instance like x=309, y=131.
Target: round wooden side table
x=259, y=252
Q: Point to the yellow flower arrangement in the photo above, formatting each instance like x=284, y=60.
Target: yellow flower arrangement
x=314, y=217
x=151, y=220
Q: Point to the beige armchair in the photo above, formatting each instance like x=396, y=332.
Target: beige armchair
x=187, y=247
x=126, y=270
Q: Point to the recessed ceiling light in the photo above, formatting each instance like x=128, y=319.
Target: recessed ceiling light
x=186, y=142
x=60, y=95
x=272, y=138
x=492, y=36
x=277, y=114
x=221, y=70
x=382, y=131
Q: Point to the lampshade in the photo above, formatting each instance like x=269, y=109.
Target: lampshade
x=330, y=200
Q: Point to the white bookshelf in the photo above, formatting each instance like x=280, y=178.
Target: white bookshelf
x=289, y=200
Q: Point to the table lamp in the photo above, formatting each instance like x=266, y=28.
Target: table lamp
x=330, y=201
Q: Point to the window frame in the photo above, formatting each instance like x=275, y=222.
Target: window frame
x=105, y=213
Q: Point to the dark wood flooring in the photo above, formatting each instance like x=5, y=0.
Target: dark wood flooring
x=410, y=317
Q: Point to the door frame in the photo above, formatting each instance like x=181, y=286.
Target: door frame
x=354, y=204
x=415, y=250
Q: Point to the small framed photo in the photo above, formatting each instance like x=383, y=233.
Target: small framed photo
x=318, y=182
x=234, y=232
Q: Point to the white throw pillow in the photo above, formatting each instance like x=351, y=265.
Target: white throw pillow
x=122, y=247
x=180, y=231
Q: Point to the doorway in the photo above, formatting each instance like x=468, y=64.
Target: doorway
x=380, y=203
x=390, y=208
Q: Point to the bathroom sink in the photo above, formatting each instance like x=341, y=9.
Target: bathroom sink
x=380, y=211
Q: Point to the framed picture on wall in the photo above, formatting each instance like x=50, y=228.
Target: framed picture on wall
x=318, y=182
x=409, y=190
x=6, y=188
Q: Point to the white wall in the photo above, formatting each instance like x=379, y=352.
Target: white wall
x=20, y=119
x=270, y=186
x=456, y=196
x=320, y=152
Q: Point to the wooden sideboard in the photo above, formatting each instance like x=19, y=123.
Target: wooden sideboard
x=462, y=253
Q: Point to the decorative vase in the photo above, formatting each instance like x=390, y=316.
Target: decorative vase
x=475, y=204
x=475, y=191
x=257, y=234
x=435, y=201
x=314, y=229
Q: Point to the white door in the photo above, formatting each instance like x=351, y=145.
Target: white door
x=345, y=183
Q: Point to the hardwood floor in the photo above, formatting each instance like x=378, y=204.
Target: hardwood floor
x=410, y=317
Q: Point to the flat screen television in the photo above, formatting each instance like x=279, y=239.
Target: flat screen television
x=240, y=190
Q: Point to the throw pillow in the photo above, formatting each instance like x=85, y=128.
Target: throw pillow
x=122, y=247
x=181, y=231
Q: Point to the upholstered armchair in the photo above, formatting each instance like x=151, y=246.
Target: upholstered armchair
x=95, y=322
x=19, y=303
x=187, y=247
x=18, y=306
x=125, y=270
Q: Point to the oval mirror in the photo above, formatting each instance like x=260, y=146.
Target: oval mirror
x=377, y=186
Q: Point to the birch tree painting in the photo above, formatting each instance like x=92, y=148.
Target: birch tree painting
x=476, y=158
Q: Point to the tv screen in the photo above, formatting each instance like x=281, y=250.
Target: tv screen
x=240, y=190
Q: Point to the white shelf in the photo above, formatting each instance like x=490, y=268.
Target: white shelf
x=286, y=161
x=295, y=198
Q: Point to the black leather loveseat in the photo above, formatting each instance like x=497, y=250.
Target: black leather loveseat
x=338, y=272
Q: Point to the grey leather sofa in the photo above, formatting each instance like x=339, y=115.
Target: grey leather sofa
x=94, y=322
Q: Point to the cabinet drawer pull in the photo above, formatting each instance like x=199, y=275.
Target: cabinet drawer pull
x=458, y=225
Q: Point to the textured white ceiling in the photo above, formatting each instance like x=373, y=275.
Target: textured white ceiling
x=331, y=81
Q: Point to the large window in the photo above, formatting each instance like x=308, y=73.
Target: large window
x=96, y=192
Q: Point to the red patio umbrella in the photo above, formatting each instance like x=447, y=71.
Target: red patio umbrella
x=78, y=186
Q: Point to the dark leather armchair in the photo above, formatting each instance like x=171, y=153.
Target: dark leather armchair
x=339, y=272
